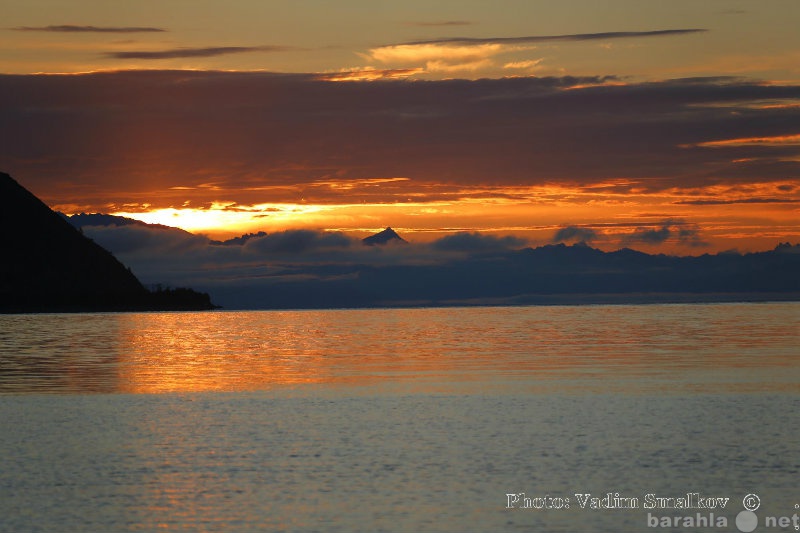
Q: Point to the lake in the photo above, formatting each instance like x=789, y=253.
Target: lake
x=552, y=418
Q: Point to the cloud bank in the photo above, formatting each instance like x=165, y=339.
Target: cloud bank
x=476, y=242
x=302, y=269
x=253, y=138
x=442, y=23
x=574, y=233
x=67, y=28
x=534, y=39
x=299, y=151
x=684, y=233
x=211, y=51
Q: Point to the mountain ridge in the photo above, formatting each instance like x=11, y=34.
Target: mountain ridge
x=318, y=269
x=52, y=267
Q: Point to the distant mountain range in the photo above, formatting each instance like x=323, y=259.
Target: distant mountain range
x=552, y=274
x=81, y=220
x=307, y=269
x=49, y=266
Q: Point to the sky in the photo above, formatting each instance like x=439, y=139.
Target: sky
x=664, y=126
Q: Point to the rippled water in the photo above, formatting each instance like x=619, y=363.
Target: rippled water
x=394, y=420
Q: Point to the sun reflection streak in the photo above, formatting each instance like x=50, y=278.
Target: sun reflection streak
x=249, y=351
x=218, y=355
x=425, y=349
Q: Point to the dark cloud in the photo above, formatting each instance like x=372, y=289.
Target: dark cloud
x=532, y=39
x=212, y=51
x=132, y=238
x=683, y=233
x=297, y=241
x=691, y=237
x=264, y=137
x=476, y=242
x=651, y=236
x=162, y=253
x=441, y=23
x=66, y=28
x=574, y=233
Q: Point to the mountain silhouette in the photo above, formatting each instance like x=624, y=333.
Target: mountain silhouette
x=384, y=237
x=551, y=274
x=50, y=266
x=81, y=220
x=328, y=270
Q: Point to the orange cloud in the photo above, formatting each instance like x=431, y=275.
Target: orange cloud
x=370, y=74
x=530, y=64
x=443, y=57
x=420, y=53
x=779, y=140
x=244, y=151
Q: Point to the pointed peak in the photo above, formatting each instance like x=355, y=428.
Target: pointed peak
x=384, y=237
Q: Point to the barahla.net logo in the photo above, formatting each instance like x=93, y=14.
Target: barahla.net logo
x=746, y=521
x=663, y=512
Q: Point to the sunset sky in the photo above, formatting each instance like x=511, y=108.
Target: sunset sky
x=662, y=126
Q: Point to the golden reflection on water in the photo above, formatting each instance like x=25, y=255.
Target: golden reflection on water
x=735, y=347
x=216, y=351
x=248, y=351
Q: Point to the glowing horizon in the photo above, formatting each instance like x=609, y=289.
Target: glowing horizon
x=612, y=217
x=615, y=121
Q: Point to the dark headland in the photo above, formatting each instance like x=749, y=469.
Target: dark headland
x=49, y=266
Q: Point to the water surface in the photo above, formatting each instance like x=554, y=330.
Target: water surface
x=394, y=420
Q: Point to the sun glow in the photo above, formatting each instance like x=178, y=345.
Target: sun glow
x=532, y=212
x=225, y=218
